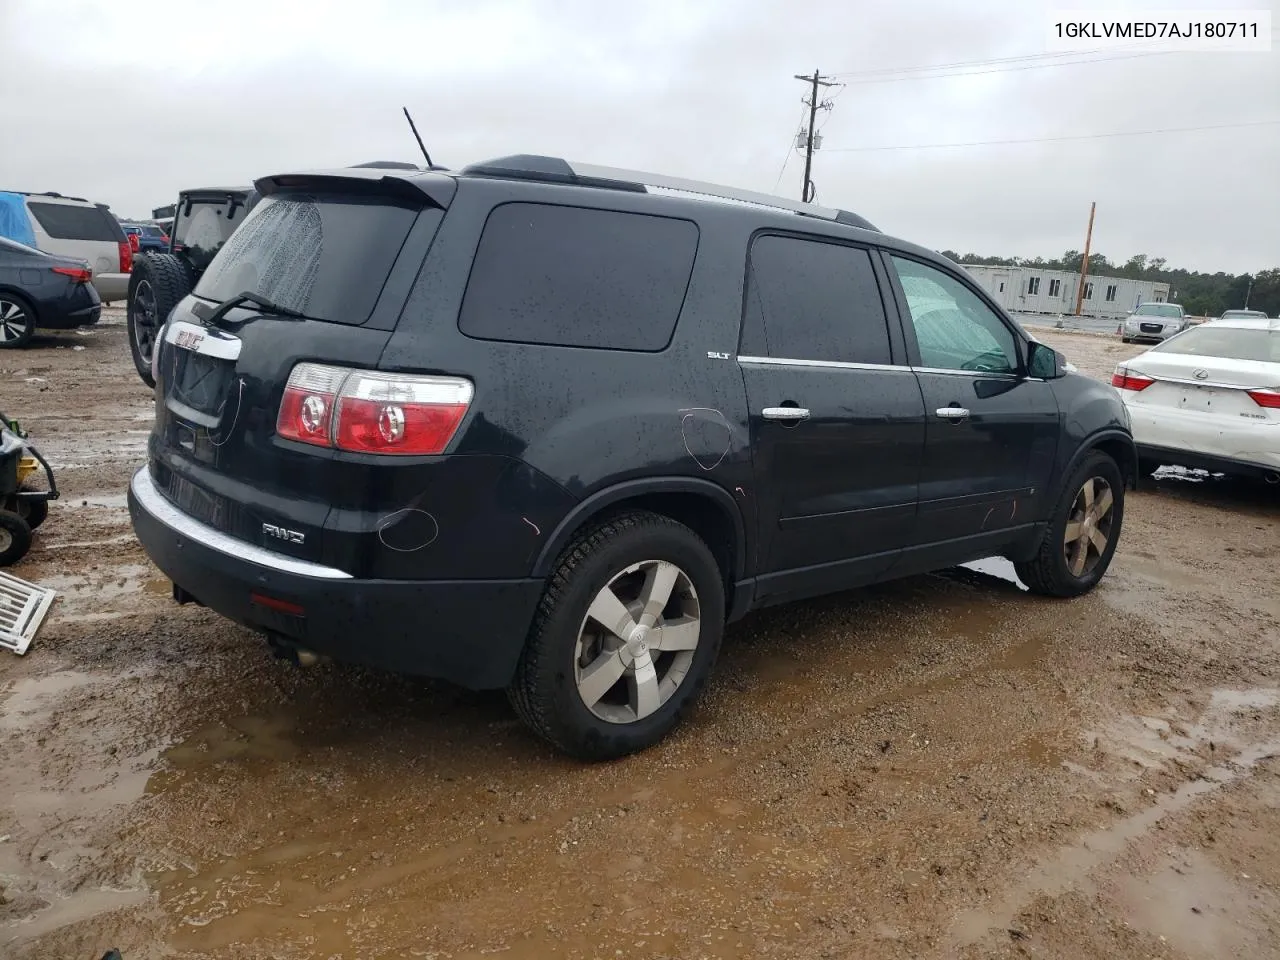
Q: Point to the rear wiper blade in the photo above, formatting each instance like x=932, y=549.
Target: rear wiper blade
x=218, y=316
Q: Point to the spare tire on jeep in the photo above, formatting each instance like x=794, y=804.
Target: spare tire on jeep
x=158, y=282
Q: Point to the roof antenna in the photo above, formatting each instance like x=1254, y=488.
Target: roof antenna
x=421, y=145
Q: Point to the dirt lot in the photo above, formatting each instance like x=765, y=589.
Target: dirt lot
x=942, y=767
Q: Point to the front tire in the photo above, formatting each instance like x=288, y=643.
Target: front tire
x=15, y=538
x=624, y=638
x=17, y=321
x=1083, y=531
x=157, y=283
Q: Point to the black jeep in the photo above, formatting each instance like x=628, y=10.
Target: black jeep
x=548, y=427
x=203, y=220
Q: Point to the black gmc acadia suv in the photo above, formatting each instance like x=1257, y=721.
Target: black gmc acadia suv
x=548, y=427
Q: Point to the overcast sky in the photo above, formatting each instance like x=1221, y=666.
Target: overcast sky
x=127, y=103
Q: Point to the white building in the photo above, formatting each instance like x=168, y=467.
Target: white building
x=1034, y=290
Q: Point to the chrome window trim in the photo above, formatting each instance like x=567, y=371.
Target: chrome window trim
x=150, y=499
x=829, y=364
x=844, y=365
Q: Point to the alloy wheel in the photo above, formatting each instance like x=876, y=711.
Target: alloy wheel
x=13, y=321
x=1088, y=530
x=144, y=319
x=637, y=641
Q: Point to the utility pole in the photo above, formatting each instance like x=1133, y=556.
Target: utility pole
x=1084, y=264
x=1248, y=292
x=807, y=190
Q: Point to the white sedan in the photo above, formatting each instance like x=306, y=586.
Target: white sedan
x=1208, y=398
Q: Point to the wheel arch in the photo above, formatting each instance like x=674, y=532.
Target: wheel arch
x=23, y=296
x=1116, y=444
x=706, y=508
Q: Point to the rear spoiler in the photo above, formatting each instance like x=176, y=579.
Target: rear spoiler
x=433, y=189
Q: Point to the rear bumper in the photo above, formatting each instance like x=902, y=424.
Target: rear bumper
x=111, y=286
x=469, y=632
x=1190, y=439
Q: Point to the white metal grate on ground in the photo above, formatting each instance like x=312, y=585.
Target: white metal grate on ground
x=22, y=609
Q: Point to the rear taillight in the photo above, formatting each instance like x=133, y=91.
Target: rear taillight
x=1122, y=379
x=126, y=257
x=1266, y=398
x=77, y=274
x=364, y=411
x=133, y=243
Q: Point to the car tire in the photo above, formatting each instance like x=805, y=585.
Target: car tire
x=17, y=321
x=156, y=285
x=1058, y=569
x=562, y=686
x=15, y=538
x=1126, y=340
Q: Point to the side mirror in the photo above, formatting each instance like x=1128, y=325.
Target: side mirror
x=1044, y=362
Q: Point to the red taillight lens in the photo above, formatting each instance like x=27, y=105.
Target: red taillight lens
x=1122, y=379
x=1266, y=398
x=368, y=412
x=133, y=242
x=126, y=256
x=306, y=410
x=78, y=274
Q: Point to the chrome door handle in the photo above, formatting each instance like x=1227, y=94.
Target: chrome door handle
x=791, y=414
x=952, y=413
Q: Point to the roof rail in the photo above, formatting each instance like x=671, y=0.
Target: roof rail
x=556, y=170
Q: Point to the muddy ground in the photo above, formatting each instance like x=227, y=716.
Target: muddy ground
x=941, y=767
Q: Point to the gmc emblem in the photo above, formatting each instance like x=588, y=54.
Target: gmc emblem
x=281, y=533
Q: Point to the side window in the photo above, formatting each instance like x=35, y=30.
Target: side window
x=67, y=221
x=576, y=277
x=954, y=329
x=810, y=300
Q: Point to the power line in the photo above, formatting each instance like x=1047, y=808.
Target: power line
x=1082, y=136
x=958, y=64
x=899, y=76
x=791, y=146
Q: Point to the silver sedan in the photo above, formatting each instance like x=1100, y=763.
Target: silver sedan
x=1153, y=321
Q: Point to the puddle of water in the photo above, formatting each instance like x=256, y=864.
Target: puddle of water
x=1194, y=905
x=112, y=500
x=1149, y=742
x=77, y=591
x=84, y=904
x=260, y=737
x=30, y=699
x=1071, y=867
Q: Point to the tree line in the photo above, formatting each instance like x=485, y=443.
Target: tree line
x=1201, y=294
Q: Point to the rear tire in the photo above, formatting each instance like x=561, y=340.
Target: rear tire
x=15, y=538
x=156, y=285
x=1064, y=566
x=17, y=321
x=598, y=694
x=1126, y=340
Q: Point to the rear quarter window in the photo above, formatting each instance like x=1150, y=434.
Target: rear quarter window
x=66, y=221
x=578, y=277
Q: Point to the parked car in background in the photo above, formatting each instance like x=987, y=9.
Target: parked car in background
x=1153, y=321
x=72, y=227
x=1243, y=315
x=547, y=427
x=147, y=237
x=1208, y=399
x=39, y=290
x=203, y=221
